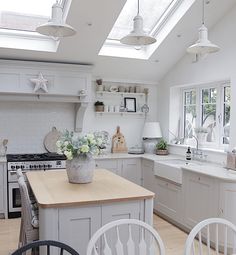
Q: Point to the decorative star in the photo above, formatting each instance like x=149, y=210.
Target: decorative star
x=40, y=83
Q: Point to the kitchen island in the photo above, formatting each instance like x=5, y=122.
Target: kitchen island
x=71, y=213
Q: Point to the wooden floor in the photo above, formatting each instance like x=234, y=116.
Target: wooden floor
x=172, y=237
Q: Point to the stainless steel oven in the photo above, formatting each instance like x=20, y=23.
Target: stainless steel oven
x=27, y=162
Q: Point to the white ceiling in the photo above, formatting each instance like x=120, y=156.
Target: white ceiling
x=85, y=45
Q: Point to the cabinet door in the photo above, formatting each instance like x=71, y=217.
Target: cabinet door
x=2, y=188
x=113, y=165
x=168, y=199
x=199, y=198
x=227, y=207
x=87, y=220
x=131, y=170
x=148, y=175
x=123, y=210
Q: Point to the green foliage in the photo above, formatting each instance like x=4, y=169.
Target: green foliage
x=98, y=103
x=161, y=145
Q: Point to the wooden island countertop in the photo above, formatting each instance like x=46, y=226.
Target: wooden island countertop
x=52, y=189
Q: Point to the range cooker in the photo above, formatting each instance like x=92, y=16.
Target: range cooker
x=27, y=162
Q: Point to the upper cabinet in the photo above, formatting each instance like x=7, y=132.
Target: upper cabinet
x=26, y=81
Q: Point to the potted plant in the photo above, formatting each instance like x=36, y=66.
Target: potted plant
x=79, y=151
x=161, y=147
x=99, y=106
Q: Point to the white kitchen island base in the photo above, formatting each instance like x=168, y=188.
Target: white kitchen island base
x=71, y=213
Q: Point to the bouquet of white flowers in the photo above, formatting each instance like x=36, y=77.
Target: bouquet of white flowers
x=73, y=145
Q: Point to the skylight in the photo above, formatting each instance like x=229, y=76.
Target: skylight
x=159, y=17
x=24, y=14
x=19, y=19
x=151, y=11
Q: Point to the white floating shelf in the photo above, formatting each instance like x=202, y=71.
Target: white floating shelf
x=122, y=94
x=141, y=114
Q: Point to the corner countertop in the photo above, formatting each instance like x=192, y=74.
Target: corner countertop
x=205, y=168
x=52, y=189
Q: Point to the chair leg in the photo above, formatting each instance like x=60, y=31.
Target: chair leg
x=21, y=236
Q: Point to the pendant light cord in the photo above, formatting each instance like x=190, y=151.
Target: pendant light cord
x=138, y=7
x=203, y=12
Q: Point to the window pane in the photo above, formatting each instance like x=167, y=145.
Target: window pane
x=227, y=94
x=209, y=121
x=189, y=120
x=209, y=95
x=190, y=97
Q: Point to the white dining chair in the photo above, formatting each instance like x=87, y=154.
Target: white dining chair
x=214, y=232
x=126, y=236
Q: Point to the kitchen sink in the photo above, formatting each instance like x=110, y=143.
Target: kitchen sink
x=180, y=162
x=170, y=169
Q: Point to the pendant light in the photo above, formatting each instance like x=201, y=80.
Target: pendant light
x=56, y=27
x=203, y=46
x=138, y=36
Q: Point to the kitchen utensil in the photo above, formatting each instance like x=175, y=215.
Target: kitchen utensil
x=3, y=148
x=51, y=139
x=118, y=142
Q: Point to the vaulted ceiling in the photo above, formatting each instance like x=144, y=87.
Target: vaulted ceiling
x=94, y=20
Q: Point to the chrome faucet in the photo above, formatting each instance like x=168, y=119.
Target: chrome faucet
x=196, y=141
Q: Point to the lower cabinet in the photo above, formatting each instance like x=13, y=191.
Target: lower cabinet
x=127, y=168
x=148, y=175
x=227, y=206
x=168, y=199
x=200, y=198
x=85, y=221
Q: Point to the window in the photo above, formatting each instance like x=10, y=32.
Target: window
x=159, y=17
x=19, y=19
x=206, y=114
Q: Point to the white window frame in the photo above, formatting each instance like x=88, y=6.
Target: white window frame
x=219, y=110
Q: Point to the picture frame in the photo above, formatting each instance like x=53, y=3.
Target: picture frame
x=130, y=104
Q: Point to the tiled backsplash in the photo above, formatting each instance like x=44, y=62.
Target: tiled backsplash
x=25, y=124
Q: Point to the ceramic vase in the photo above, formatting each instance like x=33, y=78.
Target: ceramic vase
x=80, y=169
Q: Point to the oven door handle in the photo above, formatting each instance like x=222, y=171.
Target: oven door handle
x=14, y=172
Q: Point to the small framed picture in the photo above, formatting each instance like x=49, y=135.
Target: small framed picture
x=130, y=104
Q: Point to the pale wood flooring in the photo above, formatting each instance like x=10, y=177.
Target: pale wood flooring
x=173, y=238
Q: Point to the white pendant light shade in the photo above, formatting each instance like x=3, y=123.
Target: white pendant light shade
x=203, y=45
x=56, y=27
x=138, y=37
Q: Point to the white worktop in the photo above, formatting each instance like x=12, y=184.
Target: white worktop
x=205, y=168
x=3, y=160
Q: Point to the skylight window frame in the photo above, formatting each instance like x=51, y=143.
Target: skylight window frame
x=31, y=40
x=164, y=25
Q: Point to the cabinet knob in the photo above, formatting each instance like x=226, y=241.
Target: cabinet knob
x=96, y=165
x=199, y=178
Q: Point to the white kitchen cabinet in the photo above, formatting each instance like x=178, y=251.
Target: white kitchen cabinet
x=148, y=175
x=127, y=168
x=131, y=170
x=88, y=219
x=169, y=199
x=113, y=165
x=200, y=198
x=227, y=205
x=2, y=188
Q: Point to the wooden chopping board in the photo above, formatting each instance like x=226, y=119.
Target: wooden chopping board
x=51, y=139
x=118, y=142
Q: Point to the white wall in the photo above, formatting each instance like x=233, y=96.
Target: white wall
x=218, y=66
x=25, y=124
x=131, y=126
